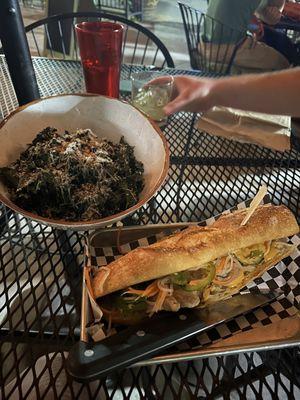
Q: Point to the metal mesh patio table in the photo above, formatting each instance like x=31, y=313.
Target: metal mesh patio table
x=40, y=269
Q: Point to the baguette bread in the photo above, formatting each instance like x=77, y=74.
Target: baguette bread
x=196, y=246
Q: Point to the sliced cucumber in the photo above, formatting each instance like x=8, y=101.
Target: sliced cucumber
x=180, y=278
x=131, y=304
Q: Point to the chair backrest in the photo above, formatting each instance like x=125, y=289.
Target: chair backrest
x=212, y=45
x=127, y=8
x=34, y=3
x=55, y=37
x=118, y=5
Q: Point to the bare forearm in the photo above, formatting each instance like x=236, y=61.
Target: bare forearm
x=274, y=93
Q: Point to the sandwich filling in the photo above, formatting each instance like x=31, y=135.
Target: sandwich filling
x=199, y=286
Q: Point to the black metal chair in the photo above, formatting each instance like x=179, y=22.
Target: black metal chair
x=140, y=45
x=126, y=8
x=204, y=35
x=34, y=4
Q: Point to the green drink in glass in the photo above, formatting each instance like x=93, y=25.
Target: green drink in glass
x=151, y=98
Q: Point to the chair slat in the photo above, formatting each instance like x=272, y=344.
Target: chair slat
x=135, y=47
x=49, y=39
x=36, y=44
x=155, y=56
x=139, y=43
x=145, y=51
x=61, y=38
x=75, y=42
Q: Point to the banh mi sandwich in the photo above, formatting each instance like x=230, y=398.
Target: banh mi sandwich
x=195, y=267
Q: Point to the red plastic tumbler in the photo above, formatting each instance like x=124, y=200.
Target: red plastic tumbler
x=100, y=46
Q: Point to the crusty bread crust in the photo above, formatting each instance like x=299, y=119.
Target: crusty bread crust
x=196, y=246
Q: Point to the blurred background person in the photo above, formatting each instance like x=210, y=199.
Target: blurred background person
x=270, y=13
x=256, y=52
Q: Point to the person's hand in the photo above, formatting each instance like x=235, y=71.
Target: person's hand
x=256, y=27
x=190, y=94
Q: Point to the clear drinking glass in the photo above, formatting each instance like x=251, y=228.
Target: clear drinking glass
x=150, y=98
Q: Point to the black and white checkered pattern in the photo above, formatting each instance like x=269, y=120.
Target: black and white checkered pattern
x=285, y=276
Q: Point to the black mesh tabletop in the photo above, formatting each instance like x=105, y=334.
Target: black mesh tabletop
x=40, y=269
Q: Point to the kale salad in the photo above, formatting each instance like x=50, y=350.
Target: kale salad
x=74, y=176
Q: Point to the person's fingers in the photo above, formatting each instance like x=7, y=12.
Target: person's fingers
x=176, y=105
x=162, y=80
x=188, y=94
x=158, y=80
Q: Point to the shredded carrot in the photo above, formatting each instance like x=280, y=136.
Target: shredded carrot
x=150, y=290
x=159, y=301
x=130, y=290
x=218, y=281
x=219, y=269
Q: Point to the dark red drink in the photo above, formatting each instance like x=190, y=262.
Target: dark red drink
x=100, y=45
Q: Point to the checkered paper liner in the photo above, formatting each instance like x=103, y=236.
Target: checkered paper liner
x=284, y=276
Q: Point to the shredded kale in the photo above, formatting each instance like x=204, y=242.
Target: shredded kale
x=74, y=176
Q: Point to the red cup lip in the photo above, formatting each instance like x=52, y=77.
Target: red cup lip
x=107, y=25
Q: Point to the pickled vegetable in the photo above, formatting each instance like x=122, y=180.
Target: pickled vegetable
x=252, y=255
x=131, y=304
x=234, y=279
x=199, y=284
x=180, y=278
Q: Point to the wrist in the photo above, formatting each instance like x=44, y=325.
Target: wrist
x=219, y=92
